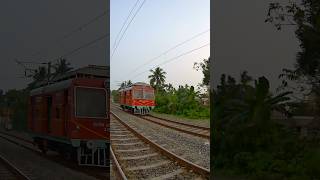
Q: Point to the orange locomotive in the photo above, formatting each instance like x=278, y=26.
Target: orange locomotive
x=71, y=115
x=137, y=98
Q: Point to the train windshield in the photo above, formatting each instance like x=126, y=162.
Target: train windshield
x=138, y=94
x=90, y=102
x=148, y=95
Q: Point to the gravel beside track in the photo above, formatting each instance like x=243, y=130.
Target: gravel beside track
x=179, y=126
x=194, y=149
x=199, y=122
x=139, y=160
x=48, y=167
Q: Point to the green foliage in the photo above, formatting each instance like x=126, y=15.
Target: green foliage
x=125, y=84
x=42, y=73
x=157, y=78
x=305, y=16
x=205, y=68
x=17, y=101
x=183, y=101
x=115, y=96
x=248, y=142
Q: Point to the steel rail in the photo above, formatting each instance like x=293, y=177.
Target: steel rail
x=183, y=162
x=182, y=123
x=14, y=169
x=37, y=152
x=176, y=128
x=119, y=170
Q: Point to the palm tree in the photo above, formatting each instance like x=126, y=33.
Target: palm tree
x=129, y=83
x=257, y=103
x=157, y=78
x=62, y=67
x=40, y=74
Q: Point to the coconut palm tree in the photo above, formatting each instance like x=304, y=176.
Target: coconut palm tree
x=157, y=78
x=257, y=103
x=61, y=67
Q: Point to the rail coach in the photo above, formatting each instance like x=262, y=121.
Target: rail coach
x=70, y=115
x=138, y=98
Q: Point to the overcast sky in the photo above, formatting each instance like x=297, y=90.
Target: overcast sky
x=159, y=25
x=32, y=31
x=243, y=41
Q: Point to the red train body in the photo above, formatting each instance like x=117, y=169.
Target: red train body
x=71, y=116
x=137, y=98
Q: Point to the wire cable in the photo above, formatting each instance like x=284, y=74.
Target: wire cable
x=172, y=59
x=124, y=23
x=117, y=45
x=168, y=50
x=80, y=28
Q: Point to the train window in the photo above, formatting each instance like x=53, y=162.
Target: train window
x=138, y=94
x=90, y=102
x=148, y=95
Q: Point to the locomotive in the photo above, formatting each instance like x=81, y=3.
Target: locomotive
x=70, y=115
x=137, y=98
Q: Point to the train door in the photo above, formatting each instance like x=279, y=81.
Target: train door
x=49, y=112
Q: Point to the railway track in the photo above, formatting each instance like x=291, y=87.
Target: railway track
x=9, y=171
x=137, y=157
x=187, y=128
x=98, y=173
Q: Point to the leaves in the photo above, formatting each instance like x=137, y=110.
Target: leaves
x=157, y=78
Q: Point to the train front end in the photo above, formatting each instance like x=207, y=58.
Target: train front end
x=89, y=127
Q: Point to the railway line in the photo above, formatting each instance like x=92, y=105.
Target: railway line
x=135, y=156
x=9, y=171
x=192, y=129
x=97, y=173
x=187, y=128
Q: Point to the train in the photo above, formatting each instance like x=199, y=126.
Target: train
x=138, y=98
x=70, y=115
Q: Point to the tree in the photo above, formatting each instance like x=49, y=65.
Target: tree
x=61, y=67
x=115, y=96
x=125, y=84
x=157, y=78
x=205, y=68
x=305, y=16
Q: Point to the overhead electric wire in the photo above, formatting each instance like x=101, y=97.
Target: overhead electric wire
x=172, y=59
x=168, y=50
x=80, y=28
x=85, y=45
x=117, y=44
x=68, y=53
x=124, y=23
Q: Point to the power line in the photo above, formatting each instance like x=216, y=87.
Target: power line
x=80, y=28
x=114, y=50
x=66, y=54
x=172, y=59
x=124, y=23
x=168, y=50
x=84, y=46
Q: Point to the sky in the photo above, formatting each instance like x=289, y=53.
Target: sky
x=158, y=26
x=33, y=30
x=243, y=41
x=241, y=38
